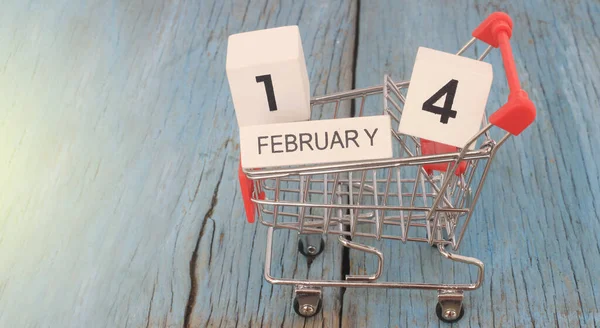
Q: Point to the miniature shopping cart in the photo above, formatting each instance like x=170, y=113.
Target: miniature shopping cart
x=425, y=193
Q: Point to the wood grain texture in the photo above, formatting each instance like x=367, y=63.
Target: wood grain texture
x=119, y=196
x=537, y=225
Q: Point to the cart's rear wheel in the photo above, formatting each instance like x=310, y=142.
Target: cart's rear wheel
x=310, y=250
x=449, y=315
x=306, y=310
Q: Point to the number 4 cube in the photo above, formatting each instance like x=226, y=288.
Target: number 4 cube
x=446, y=98
x=267, y=76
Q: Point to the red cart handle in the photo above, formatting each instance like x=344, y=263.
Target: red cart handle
x=247, y=187
x=518, y=112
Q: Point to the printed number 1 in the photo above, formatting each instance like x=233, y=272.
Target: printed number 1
x=446, y=112
x=266, y=79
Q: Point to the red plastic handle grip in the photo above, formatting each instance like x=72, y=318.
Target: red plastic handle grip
x=518, y=112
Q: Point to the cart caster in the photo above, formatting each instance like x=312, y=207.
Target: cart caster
x=449, y=308
x=307, y=301
x=448, y=314
x=311, y=245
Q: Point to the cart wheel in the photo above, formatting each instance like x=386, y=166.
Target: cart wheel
x=306, y=310
x=450, y=315
x=310, y=250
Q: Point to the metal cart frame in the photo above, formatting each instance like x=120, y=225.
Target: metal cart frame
x=417, y=196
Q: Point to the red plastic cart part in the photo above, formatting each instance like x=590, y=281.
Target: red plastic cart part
x=247, y=187
x=429, y=147
x=518, y=112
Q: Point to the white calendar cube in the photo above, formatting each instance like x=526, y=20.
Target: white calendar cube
x=267, y=76
x=446, y=98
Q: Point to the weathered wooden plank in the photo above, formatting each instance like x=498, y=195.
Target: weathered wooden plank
x=537, y=224
x=119, y=203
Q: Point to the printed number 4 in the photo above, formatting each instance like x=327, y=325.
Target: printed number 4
x=446, y=112
x=266, y=79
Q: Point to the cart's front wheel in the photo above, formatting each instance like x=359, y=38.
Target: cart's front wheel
x=307, y=301
x=306, y=310
x=450, y=305
x=449, y=315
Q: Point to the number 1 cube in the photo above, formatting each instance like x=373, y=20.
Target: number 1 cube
x=267, y=76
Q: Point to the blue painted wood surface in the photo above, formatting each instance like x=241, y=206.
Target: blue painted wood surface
x=119, y=205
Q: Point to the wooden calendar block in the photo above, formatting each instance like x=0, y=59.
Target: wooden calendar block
x=320, y=141
x=446, y=98
x=267, y=76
